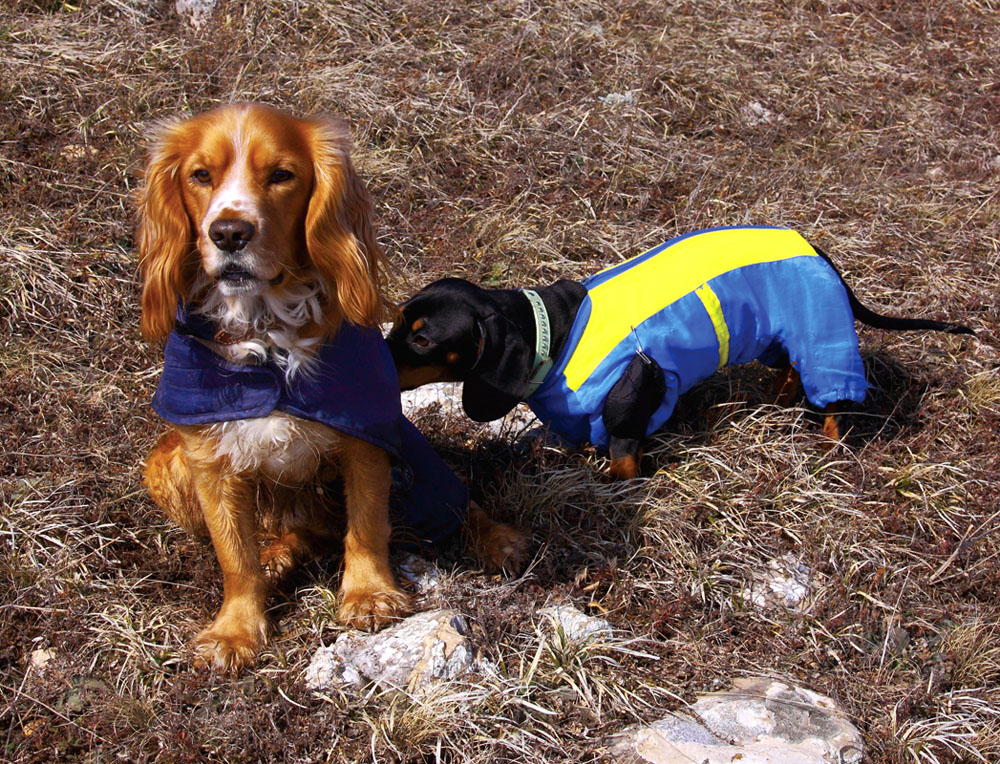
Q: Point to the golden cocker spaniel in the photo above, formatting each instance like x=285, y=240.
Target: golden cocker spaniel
x=254, y=223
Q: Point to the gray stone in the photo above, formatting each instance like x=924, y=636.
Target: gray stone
x=575, y=625
x=786, y=583
x=758, y=709
x=447, y=397
x=620, y=100
x=195, y=12
x=756, y=113
x=674, y=739
x=759, y=721
x=40, y=659
x=422, y=650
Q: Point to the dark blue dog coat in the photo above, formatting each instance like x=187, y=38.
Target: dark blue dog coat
x=352, y=387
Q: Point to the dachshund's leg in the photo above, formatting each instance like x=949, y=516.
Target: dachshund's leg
x=627, y=410
x=831, y=428
x=786, y=386
x=241, y=627
x=168, y=479
x=786, y=389
x=625, y=456
x=369, y=595
x=500, y=548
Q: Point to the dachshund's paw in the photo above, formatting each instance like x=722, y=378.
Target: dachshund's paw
x=624, y=467
x=371, y=610
x=501, y=548
x=228, y=645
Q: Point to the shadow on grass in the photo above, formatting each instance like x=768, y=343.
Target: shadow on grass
x=891, y=410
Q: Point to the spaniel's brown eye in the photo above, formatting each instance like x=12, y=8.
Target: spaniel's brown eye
x=203, y=177
x=280, y=176
x=422, y=341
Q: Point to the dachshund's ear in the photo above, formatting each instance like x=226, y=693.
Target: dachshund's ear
x=164, y=236
x=340, y=236
x=498, y=380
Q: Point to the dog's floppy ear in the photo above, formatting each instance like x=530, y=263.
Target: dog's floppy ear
x=340, y=236
x=498, y=380
x=165, y=238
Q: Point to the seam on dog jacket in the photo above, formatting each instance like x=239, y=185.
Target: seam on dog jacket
x=352, y=387
x=694, y=304
x=714, y=309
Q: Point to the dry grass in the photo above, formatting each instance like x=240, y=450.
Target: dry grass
x=494, y=151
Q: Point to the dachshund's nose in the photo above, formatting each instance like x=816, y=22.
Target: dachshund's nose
x=231, y=235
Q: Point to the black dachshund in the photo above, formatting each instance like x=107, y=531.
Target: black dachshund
x=604, y=360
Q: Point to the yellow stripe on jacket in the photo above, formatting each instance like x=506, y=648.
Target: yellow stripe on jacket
x=640, y=291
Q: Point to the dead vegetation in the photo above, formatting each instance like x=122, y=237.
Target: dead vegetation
x=513, y=143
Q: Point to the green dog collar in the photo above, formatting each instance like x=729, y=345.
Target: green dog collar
x=543, y=341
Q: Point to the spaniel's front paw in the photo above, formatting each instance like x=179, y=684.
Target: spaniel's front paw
x=229, y=644
x=373, y=609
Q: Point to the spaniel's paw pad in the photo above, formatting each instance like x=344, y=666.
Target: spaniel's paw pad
x=371, y=610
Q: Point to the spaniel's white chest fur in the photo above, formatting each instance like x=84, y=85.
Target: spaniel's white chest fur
x=281, y=447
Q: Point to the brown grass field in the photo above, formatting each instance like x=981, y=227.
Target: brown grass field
x=492, y=151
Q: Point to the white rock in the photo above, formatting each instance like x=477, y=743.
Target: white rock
x=675, y=739
x=422, y=650
x=74, y=151
x=41, y=658
x=759, y=721
x=575, y=625
x=447, y=396
x=766, y=713
x=787, y=582
x=195, y=12
x=757, y=113
x=628, y=98
x=424, y=575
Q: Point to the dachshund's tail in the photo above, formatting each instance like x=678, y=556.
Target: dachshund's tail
x=870, y=317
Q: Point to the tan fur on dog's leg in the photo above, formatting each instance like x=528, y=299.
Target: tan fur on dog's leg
x=241, y=627
x=168, y=479
x=299, y=522
x=370, y=598
x=500, y=548
x=830, y=427
x=786, y=386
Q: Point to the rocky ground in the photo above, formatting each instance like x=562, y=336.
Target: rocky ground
x=835, y=601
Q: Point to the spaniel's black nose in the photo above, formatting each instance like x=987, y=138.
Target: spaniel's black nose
x=231, y=235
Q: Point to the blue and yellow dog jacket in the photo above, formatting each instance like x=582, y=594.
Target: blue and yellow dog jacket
x=695, y=304
x=199, y=387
